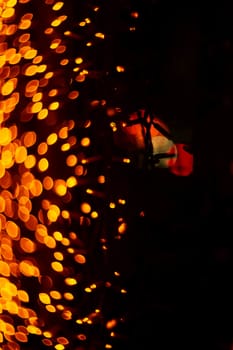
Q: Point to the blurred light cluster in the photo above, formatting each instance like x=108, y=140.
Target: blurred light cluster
x=49, y=200
x=57, y=288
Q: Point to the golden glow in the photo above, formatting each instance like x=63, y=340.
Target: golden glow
x=85, y=208
x=43, y=165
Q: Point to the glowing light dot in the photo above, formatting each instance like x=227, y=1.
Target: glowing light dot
x=85, y=142
x=64, y=62
x=63, y=340
x=121, y=201
x=48, y=31
x=67, y=315
x=94, y=215
x=20, y=154
x=53, y=106
x=30, y=161
x=12, y=229
x=53, y=93
x=5, y=136
x=8, y=87
x=79, y=258
x=68, y=296
x=100, y=35
x=43, y=164
x=4, y=269
x=65, y=241
x=44, y=298
x=52, y=138
x=71, y=182
x=50, y=308
x=36, y=187
x=27, y=245
x=65, y=214
x=134, y=14
x=55, y=294
x=21, y=337
x=73, y=95
x=58, y=256
x=111, y=324
x=30, y=54
x=8, y=13
x=26, y=268
x=79, y=170
x=52, y=215
x=60, y=187
x=78, y=60
x=56, y=266
x=48, y=183
x=37, y=97
x=122, y=228
x=70, y=281
x=120, y=69
x=42, y=114
x=71, y=160
x=63, y=132
x=58, y=236
x=36, y=107
x=29, y=139
x=31, y=70
x=101, y=179
x=50, y=242
x=85, y=208
x=42, y=148
x=123, y=291
x=23, y=296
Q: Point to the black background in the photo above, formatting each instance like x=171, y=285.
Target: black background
x=179, y=64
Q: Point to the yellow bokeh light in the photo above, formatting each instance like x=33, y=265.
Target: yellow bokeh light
x=55, y=294
x=30, y=161
x=43, y=164
x=8, y=13
x=71, y=160
x=53, y=106
x=20, y=154
x=58, y=5
x=71, y=182
x=52, y=138
x=85, y=208
x=60, y=187
x=85, y=142
x=50, y=242
x=44, y=298
x=56, y=266
x=5, y=136
x=42, y=114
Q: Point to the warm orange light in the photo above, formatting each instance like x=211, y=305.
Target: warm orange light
x=43, y=164
x=60, y=187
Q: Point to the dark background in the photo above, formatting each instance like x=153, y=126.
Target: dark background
x=177, y=259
